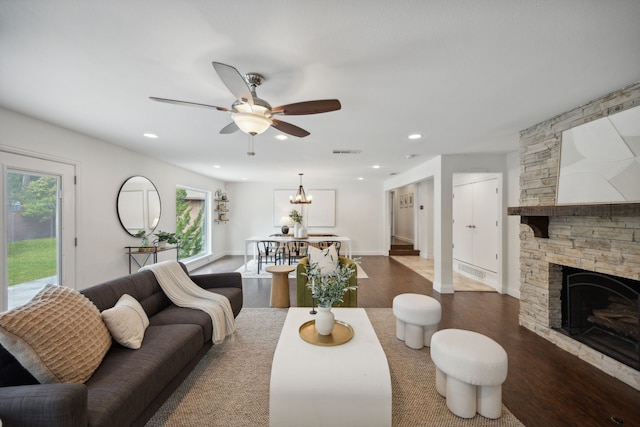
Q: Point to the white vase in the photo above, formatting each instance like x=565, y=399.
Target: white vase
x=325, y=321
x=296, y=229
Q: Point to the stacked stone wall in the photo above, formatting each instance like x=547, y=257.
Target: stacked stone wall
x=608, y=245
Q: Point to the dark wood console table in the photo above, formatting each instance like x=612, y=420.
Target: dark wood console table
x=144, y=253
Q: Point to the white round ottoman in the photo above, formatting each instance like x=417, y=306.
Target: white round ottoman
x=417, y=318
x=470, y=370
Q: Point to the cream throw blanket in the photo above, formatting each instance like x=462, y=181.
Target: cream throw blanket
x=184, y=293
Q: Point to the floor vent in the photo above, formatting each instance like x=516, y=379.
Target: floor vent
x=471, y=270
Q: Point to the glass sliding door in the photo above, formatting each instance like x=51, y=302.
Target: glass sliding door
x=39, y=236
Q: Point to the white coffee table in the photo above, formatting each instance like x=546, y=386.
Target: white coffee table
x=344, y=385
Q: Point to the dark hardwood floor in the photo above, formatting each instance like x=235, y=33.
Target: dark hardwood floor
x=546, y=386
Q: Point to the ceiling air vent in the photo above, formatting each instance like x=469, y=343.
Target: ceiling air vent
x=347, y=151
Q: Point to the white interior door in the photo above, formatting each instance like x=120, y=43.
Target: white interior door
x=485, y=221
x=463, y=223
x=39, y=226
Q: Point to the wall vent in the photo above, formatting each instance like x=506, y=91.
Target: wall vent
x=347, y=151
x=473, y=271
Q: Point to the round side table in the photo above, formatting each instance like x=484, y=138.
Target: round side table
x=280, y=285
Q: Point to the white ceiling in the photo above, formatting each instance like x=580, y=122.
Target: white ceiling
x=468, y=75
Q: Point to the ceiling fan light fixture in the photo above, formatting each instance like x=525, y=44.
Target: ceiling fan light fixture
x=251, y=123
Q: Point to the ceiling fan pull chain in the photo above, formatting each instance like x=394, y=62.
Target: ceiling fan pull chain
x=251, y=152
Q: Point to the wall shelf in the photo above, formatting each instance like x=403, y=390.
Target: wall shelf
x=537, y=217
x=221, y=209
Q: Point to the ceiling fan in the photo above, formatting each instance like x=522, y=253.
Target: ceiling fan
x=254, y=115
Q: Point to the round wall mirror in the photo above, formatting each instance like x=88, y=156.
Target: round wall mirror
x=138, y=205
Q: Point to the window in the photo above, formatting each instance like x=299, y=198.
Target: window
x=192, y=222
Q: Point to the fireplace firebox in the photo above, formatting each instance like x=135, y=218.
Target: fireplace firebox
x=603, y=312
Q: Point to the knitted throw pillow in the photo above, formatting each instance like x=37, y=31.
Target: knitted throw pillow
x=58, y=336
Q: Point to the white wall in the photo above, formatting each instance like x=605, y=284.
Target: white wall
x=425, y=219
x=404, y=218
x=359, y=212
x=101, y=169
x=511, y=284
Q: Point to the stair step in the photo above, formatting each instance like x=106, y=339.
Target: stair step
x=404, y=252
x=402, y=246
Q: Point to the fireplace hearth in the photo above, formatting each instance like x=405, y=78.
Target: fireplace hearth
x=602, y=311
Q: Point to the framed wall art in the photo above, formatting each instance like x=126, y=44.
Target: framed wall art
x=600, y=161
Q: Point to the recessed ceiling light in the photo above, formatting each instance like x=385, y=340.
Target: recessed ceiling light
x=217, y=166
x=281, y=137
x=360, y=178
x=151, y=135
x=376, y=166
x=415, y=136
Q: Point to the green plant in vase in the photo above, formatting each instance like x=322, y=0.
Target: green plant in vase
x=164, y=237
x=328, y=289
x=295, y=216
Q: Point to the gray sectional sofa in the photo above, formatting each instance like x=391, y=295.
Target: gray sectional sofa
x=129, y=385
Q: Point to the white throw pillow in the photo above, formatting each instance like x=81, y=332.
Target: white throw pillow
x=327, y=259
x=126, y=322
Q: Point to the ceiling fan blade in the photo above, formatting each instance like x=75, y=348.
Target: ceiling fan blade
x=289, y=128
x=190, y=104
x=234, y=81
x=230, y=128
x=308, y=107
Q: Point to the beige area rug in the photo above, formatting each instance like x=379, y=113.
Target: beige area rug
x=424, y=267
x=230, y=385
x=252, y=271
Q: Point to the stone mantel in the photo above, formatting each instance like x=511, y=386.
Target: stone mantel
x=537, y=217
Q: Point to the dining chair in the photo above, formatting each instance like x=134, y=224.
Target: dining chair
x=269, y=251
x=297, y=250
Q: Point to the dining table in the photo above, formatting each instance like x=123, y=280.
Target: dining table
x=251, y=243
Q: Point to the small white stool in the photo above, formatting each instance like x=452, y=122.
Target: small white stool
x=417, y=318
x=470, y=370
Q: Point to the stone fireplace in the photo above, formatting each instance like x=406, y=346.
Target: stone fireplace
x=601, y=311
x=603, y=239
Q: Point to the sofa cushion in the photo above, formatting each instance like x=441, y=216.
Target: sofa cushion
x=143, y=286
x=174, y=315
x=126, y=322
x=58, y=336
x=128, y=380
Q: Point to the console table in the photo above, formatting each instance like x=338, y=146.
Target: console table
x=144, y=253
x=345, y=385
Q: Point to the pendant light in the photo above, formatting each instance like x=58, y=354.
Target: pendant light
x=301, y=197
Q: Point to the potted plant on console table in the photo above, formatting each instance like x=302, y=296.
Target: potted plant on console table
x=328, y=289
x=164, y=237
